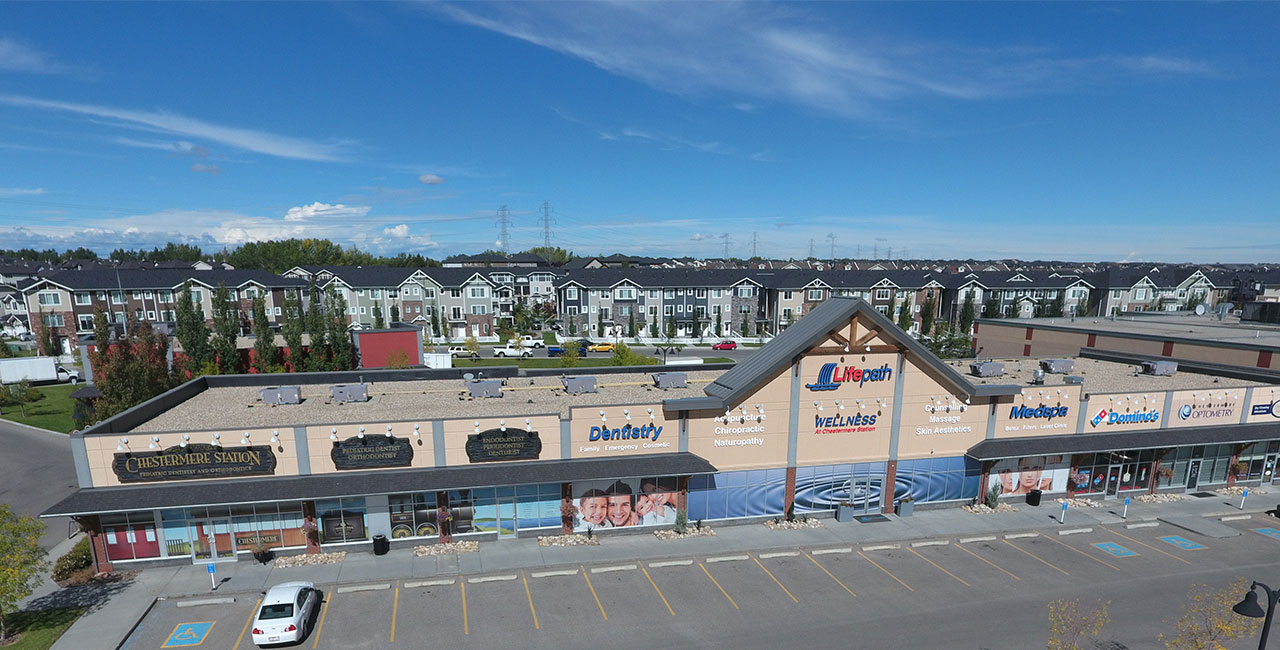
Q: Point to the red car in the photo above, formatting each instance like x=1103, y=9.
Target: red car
x=725, y=345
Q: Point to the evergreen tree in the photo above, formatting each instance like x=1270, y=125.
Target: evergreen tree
x=292, y=329
x=991, y=309
x=631, y=324
x=318, y=331
x=395, y=313
x=264, y=346
x=904, y=314
x=226, y=327
x=600, y=323
x=892, y=312
x=435, y=320
x=193, y=334
x=719, y=325
x=671, y=326
x=926, y=314
x=967, y=315
x=1059, y=304
x=573, y=326
x=48, y=341
x=378, y=321
x=339, y=336
x=653, y=328
x=746, y=324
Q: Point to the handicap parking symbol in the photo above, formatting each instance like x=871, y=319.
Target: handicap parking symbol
x=188, y=634
x=1183, y=543
x=1269, y=532
x=1115, y=549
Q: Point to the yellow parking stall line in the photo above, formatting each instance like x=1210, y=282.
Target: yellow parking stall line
x=939, y=567
x=1035, y=557
x=717, y=584
x=593, y=592
x=655, y=588
x=832, y=576
x=528, y=594
x=466, y=622
x=1161, y=551
x=323, y=611
x=395, y=609
x=247, y=623
x=793, y=598
x=886, y=571
x=993, y=564
x=1102, y=562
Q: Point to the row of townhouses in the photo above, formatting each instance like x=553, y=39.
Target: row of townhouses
x=461, y=301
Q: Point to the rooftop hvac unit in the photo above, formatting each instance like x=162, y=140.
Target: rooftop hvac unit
x=986, y=369
x=1057, y=366
x=577, y=385
x=343, y=393
x=281, y=395
x=1159, y=368
x=1037, y=376
x=665, y=380
x=1074, y=379
x=485, y=388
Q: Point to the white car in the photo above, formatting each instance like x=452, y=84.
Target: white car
x=286, y=613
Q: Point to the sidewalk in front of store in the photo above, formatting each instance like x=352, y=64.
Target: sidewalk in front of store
x=112, y=621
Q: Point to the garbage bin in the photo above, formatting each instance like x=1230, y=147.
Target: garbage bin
x=381, y=545
x=1033, y=497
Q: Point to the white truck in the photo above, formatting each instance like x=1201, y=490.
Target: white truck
x=531, y=341
x=510, y=350
x=37, y=370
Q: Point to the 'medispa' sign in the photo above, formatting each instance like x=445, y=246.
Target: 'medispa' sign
x=832, y=375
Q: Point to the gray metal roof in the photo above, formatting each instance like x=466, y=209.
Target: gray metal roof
x=155, y=496
x=734, y=386
x=1100, y=442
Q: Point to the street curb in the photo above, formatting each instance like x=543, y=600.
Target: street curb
x=182, y=604
x=132, y=629
x=1075, y=531
x=354, y=588
x=1145, y=524
x=35, y=429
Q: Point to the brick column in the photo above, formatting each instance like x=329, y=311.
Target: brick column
x=1071, y=473
x=1231, y=466
x=789, y=497
x=984, y=480
x=446, y=526
x=313, y=536
x=93, y=528
x=888, y=489
x=566, y=505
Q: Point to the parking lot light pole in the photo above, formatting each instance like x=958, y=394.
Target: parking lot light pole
x=1250, y=607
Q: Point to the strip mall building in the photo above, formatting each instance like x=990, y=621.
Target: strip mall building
x=842, y=407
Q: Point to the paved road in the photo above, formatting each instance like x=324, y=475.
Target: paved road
x=989, y=593
x=36, y=471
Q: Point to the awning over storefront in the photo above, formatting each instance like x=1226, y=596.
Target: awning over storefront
x=158, y=496
x=1085, y=443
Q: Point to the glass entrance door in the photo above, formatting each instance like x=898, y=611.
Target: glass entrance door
x=1113, y=480
x=866, y=491
x=212, y=541
x=507, y=524
x=1193, y=474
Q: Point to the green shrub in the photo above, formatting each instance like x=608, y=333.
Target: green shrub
x=79, y=557
x=993, y=495
x=682, y=521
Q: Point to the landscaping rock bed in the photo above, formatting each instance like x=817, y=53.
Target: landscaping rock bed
x=1238, y=491
x=445, y=549
x=983, y=509
x=691, y=531
x=310, y=560
x=1159, y=498
x=794, y=524
x=1082, y=503
x=569, y=540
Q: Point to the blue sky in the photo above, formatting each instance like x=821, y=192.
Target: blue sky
x=1086, y=131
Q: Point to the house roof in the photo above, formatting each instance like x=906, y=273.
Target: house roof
x=109, y=279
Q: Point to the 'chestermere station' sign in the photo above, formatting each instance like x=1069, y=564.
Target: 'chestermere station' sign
x=194, y=461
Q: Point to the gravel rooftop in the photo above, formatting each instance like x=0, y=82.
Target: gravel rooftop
x=241, y=408
x=1101, y=377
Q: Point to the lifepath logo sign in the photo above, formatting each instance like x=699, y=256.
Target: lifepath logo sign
x=832, y=375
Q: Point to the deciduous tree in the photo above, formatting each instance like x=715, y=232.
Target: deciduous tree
x=264, y=345
x=1207, y=621
x=193, y=334
x=292, y=329
x=22, y=561
x=967, y=314
x=926, y=314
x=226, y=327
x=128, y=370
x=1070, y=624
x=904, y=314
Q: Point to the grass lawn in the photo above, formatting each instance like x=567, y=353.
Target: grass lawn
x=535, y=362
x=53, y=412
x=549, y=338
x=717, y=360
x=40, y=630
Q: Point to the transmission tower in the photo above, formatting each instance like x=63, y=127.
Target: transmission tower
x=832, y=237
x=754, y=241
x=546, y=224
x=875, y=251
x=810, y=248
x=504, y=220
x=725, y=238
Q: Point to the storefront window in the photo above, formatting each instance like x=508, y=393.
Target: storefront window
x=462, y=509
x=341, y=520
x=177, y=534
x=822, y=487
x=625, y=502
x=941, y=479
x=414, y=515
x=130, y=536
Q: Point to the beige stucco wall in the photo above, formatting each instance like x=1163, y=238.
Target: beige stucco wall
x=1127, y=404
x=935, y=422
x=102, y=450
x=846, y=439
x=1207, y=407
x=1122, y=344
x=319, y=443
x=1048, y=343
x=1032, y=397
x=1263, y=396
x=753, y=435
x=616, y=417
x=999, y=340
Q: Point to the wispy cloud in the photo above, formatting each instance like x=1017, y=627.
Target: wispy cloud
x=759, y=52
x=201, y=168
x=20, y=57
x=430, y=179
x=21, y=191
x=177, y=148
x=317, y=211
x=261, y=142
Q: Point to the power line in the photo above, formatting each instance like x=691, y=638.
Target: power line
x=811, y=248
x=832, y=236
x=504, y=220
x=546, y=224
x=754, y=240
x=725, y=237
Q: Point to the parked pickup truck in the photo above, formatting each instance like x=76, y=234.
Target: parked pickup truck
x=510, y=350
x=531, y=341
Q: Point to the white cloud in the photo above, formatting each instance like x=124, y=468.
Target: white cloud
x=756, y=52
x=212, y=170
x=19, y=57
x=430, y=179
x=400, y=231
x=697, y=236
x=319, y=210
x=180, y=147
x=21, y=191
x=270, y=144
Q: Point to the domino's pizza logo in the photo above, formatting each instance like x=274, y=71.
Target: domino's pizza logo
x=1099, y=418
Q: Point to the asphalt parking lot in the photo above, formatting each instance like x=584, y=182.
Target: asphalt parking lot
x=831, y=595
